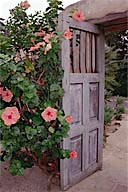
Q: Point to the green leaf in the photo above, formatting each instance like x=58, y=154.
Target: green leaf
x=15, y=131
x=37, y=119
x=51, y=129
x=12, y=67
x=30, y=132
x=1, y=111
x=8, y=156
x=60, y=118
x=3, y=74
x=16, y=168
x=28, y=66
x=56, y=92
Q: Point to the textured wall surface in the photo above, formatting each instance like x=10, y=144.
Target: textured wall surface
x=99, y=8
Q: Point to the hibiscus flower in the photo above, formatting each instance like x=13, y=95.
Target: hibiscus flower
x=68, y=34
x=73, y=154
x=49, y=114
x=10, y=115
x=36, y=47
x=6, y=95
x=78, y=15
x=47, y=37
x=69, y=119
x=41, y=44
x=25, y=4
x=39, y=34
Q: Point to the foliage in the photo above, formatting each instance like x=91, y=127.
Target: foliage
x=120, y=41
x=114, y=112
x=119, y=100
x=108, y=114
x=120, y=108
x=111, y=70
x=33, y=78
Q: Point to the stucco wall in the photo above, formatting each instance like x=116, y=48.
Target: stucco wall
x=99, y=8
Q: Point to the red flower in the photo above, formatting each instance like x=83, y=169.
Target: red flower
x=73, y=154
x=68, y=34
x=69, y=119
x=10, y=115
x=49, y=114
x=6, y=95
x=78, y=15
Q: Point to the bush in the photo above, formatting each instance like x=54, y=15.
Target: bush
x=120, y=108
x=108, y=115
x=119, y=40
x=32, y=123
x=111, y=70
x=119, y=100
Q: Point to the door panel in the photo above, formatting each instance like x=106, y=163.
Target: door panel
x=93, y=146
x=75, y=164
x=76, y=103
x=93, y=101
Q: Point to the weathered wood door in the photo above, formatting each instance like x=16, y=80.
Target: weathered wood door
x=83, y=62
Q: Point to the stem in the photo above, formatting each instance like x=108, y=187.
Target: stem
x=40, y=76
x=36, y=160
x=18, y=100
x=28, y=108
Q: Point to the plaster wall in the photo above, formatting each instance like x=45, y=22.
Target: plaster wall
x=95, y=9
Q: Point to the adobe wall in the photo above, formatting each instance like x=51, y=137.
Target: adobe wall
x=95, y=9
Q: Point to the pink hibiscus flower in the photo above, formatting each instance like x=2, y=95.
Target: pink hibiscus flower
x=25, y=4
x=68, y=34
x=69, y=119
x=36, y=47
x=6, y=95
x=78, y=15
x=49, y=114
x=39, y=34
x=41, y=44
x=73, y=154
x=47, y=48
x=10, y=115
x=48, y=37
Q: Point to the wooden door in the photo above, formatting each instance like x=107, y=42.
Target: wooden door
x=83, y=62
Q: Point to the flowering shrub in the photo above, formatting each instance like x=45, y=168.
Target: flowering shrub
x=32, y=123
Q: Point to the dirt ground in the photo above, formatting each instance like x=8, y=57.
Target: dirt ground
x=113, y=177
